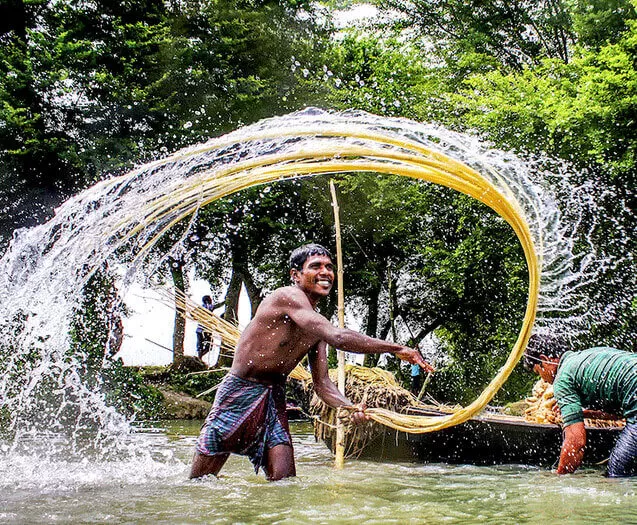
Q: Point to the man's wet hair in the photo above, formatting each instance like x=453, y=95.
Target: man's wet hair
x=544, y=345
x=206, y=299
x=301, y=254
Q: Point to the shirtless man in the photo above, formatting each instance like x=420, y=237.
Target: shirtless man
x=248, y=416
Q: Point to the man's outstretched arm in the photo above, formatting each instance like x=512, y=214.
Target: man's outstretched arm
x=300, y=311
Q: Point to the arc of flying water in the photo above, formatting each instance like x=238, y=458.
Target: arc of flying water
x=133, y=211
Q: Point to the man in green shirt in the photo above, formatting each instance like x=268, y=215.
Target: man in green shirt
x=598, y=382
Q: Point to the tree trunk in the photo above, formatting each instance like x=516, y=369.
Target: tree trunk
x=371, y=326
x=384, y=331
x=231, y=312
x=177, y=272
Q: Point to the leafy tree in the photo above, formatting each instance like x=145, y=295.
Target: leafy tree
x=514, y=33
x=71, y=75
x=437, y=261
x=600, y=22
x=382, y=76
x=90, y=88
x=582, y=111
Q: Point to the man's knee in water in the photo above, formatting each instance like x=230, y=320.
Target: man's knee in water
x=203, y=465
x=280, y=463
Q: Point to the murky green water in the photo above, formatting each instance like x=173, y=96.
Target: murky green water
x=154, y=489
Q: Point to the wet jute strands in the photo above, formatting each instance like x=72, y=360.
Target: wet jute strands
x=382, y=152
x=375, y=388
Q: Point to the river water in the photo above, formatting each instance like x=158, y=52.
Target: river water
x=154, y=489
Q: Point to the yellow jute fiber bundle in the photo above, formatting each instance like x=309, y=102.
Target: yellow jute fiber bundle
x=375, y=388
x=541, y=404
x=542, y=408
x=362, y=149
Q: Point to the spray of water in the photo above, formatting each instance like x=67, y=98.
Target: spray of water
x=118, y=220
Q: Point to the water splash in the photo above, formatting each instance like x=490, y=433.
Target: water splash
x=118, y=220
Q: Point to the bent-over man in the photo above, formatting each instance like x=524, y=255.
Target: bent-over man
x=248, y=416
x=598, y=382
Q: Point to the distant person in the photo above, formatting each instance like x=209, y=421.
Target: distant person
x=416, y=379
x=248, y=416
x=204, y=338
x=598, y=382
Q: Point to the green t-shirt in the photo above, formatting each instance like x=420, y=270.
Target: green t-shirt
x=599, y=379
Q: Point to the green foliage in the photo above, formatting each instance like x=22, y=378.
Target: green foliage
x=15, y=369
x=576, y=104
x=126, y=391
x=582, y=111
x=514, y=33
x=386, y=77
x=601, y=22
x=89, y=88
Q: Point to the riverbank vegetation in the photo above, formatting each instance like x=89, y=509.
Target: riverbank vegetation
x=87, y=90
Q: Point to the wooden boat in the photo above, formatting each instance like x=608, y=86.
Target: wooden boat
x=488, y=439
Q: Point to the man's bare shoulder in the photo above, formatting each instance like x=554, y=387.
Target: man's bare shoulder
x=287, y=297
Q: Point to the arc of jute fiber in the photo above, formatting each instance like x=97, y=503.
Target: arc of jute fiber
x=389, y=155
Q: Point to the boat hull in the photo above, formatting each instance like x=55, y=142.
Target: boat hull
x=486, y=441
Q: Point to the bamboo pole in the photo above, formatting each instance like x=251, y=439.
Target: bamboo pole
x=339, y=462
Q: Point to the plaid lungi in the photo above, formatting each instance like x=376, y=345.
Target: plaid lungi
x=246, y=418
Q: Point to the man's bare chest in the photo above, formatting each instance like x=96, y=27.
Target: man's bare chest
x=293, y=338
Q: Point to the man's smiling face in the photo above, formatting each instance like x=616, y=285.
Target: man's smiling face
x=317, y=276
